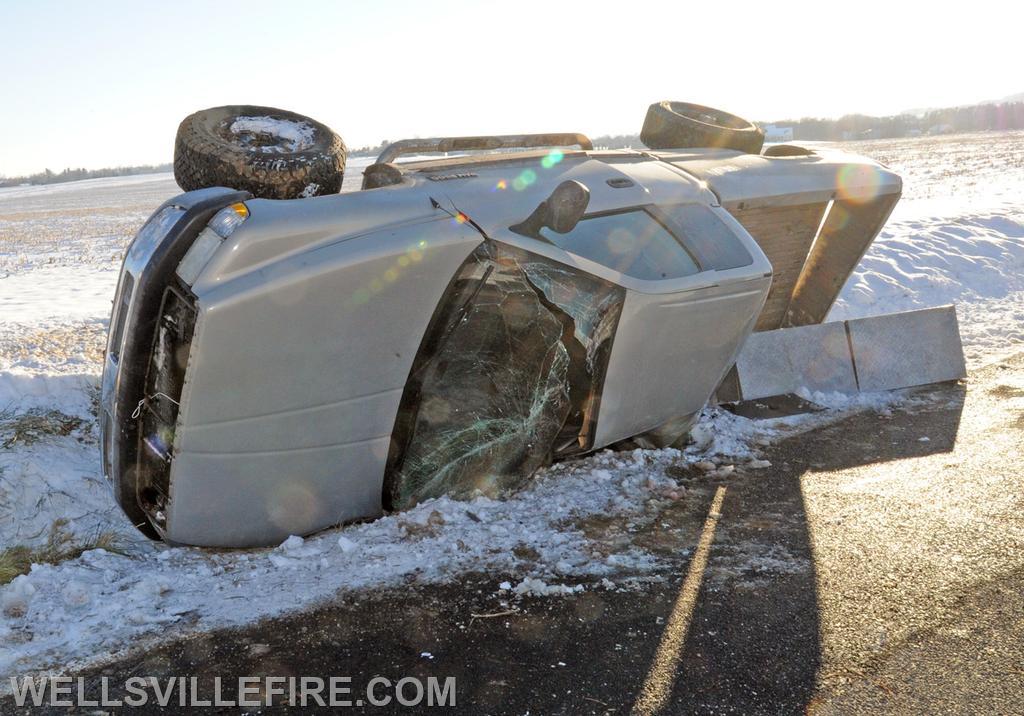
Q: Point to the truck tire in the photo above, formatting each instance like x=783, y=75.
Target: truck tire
x=271, y=153
x=677, y=125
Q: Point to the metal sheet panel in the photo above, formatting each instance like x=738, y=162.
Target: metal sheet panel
x=669, y=353
x=784, y=361
x=759, y=180
x=899, y=350
x=294, y=383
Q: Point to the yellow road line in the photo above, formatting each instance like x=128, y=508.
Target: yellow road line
x=662, y=677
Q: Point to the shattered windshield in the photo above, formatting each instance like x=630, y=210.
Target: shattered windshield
x=508, y=377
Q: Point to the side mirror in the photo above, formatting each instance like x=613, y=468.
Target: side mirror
x=566, y=206
x=560, y=212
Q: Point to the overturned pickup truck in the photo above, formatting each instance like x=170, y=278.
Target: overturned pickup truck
x=275, y=367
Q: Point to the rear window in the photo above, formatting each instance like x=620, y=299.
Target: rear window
x=711, y=240
x=632, y=242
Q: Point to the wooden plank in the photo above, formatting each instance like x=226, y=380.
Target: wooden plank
x=845, y=236
x=785, y=234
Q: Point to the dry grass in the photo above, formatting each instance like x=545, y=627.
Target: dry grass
x=61, y=544
x=33, y=426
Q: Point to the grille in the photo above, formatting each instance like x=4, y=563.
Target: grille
x=165, y=378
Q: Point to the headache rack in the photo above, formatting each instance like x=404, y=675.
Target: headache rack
x=384, y=172
x=467, y=144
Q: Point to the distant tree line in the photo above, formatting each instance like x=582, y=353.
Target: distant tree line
x=976, y=118
x=369, y=151
x=50, y=177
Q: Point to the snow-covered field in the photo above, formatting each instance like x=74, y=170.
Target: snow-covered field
x=958, y=236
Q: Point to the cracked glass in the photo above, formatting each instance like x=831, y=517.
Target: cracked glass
x=507, y=379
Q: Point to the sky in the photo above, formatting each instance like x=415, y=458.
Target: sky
x=104, y=83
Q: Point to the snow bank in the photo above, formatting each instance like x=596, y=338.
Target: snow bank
x=957, y=236
x=974, y=259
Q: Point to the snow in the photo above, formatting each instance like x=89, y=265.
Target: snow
x=957, y=236
x=296, y=135
x=146, y=594
x=15, y=598
x=539, y=588
x=974, y=259
x=58, y=292
x=60, y=247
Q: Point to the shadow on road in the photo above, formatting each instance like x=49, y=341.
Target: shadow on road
x=753, y=645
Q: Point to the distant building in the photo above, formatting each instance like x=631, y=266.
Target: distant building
x=850, y=136
x=777, y=134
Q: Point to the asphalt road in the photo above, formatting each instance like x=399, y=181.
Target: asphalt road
x=877, y=566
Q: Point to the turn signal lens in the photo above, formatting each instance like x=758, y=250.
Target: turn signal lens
x=225, y=221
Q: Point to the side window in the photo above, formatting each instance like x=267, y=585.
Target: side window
x=633, y=242
x=710, y=239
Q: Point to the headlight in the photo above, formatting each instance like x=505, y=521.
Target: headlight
x=154, y=230
x=220, y=227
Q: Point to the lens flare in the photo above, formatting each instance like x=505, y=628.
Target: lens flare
x=525, y=179
x=620, y=241
x=293, y=507
x=392, y=273
x=501, y=185
x=857, y=183
x=553, y=157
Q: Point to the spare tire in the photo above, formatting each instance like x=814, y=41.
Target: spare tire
x=675, y=125
x=271, y=153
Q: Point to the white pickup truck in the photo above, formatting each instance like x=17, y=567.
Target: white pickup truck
x=275, y=367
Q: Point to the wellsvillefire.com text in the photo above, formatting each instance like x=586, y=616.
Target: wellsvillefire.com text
x=245, y=691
